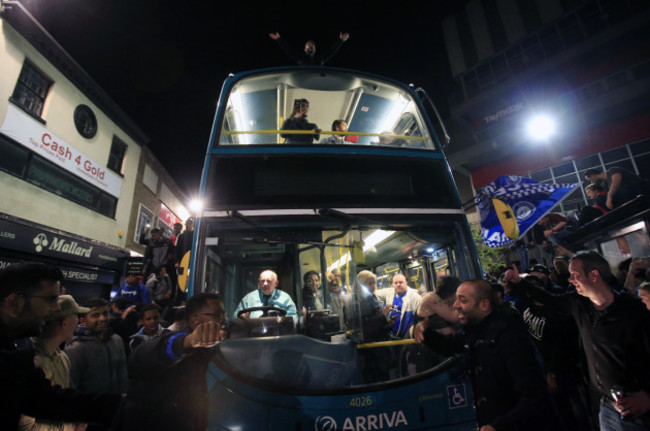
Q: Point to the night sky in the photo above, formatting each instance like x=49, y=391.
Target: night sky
x=164, y=61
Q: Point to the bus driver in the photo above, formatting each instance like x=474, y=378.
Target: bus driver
x=267, y=295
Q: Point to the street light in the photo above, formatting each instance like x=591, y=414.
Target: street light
x=540, y=127
x=196, y=206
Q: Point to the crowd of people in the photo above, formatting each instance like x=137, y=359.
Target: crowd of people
x=550, y=348
x=558, y=347
x=69, y=367
x=562, y=347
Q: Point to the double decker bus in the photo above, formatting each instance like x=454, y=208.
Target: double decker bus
x=382, y=200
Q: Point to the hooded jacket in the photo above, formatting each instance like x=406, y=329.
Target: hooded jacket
x=96, y=364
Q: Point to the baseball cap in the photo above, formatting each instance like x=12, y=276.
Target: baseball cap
x=539, y=268
x=68, y=306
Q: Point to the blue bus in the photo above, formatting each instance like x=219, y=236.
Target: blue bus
x=379, y=197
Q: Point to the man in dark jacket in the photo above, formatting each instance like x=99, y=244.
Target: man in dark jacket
x=168, y=374
x=510, y=391
x=159, y=252
x=615, y=331
x=309, y=57
x=28, y=294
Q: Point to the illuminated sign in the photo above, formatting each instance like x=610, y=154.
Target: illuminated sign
x=167, y=216
x=28, y=132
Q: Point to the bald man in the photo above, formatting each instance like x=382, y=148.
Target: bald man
x=402, y=303
x=267, y=294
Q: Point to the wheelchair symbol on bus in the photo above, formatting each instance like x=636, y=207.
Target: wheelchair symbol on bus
x=456, y=396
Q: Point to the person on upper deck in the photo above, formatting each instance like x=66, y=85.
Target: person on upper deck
x=298, y=121
x=337, y=126
x=309, y=57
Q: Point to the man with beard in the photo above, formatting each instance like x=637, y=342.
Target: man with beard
x=29, y=293
x=97, y=355
x=510, y=391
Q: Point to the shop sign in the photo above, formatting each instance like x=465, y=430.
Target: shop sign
x=32, y=240
x=73, y=274
x=30, y=133
x=167, y=216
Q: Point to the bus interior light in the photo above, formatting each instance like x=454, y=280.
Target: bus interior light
x=395, y=112
x=375, y=238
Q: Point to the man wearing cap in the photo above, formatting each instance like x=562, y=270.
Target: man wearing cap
x=29, y=294
x=544, y=274
x=59, y=327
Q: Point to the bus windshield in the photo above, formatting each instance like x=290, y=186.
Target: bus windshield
x=338, y=335
x=312, y=106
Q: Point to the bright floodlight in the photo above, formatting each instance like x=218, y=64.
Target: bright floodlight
x=196, y=205
x=541, y=127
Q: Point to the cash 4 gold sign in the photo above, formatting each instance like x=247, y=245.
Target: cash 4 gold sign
x=42, y=242
x=369, y=422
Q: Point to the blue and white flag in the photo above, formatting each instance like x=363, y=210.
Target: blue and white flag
x=529, y=201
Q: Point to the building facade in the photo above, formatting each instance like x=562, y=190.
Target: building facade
x=73, y=165
x=582, y=63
